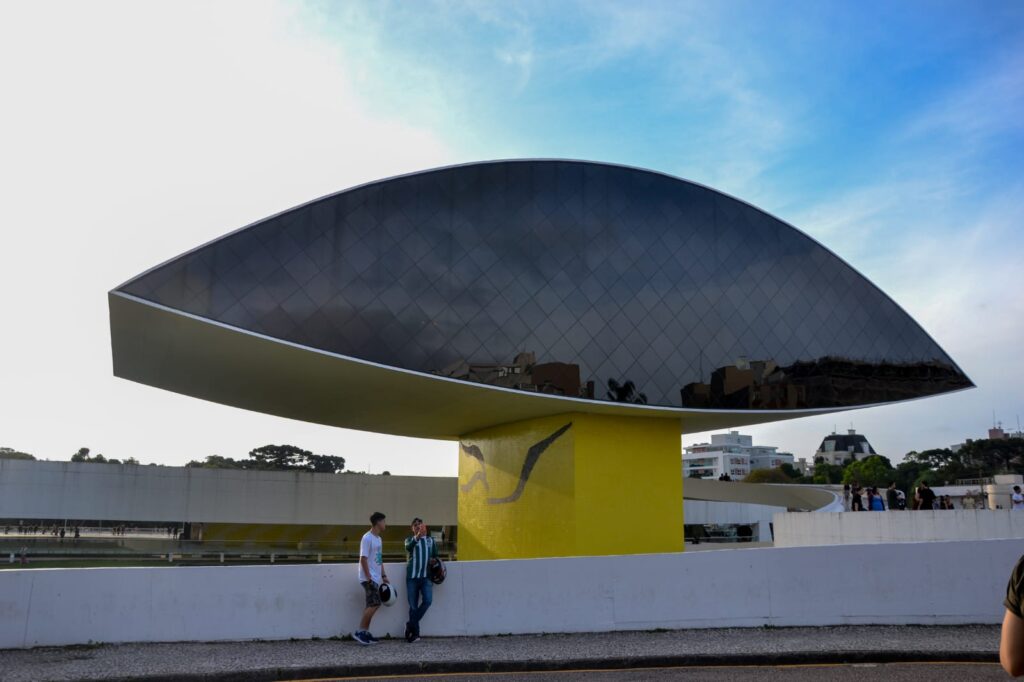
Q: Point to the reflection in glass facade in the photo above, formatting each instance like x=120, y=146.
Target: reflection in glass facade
x=569, y=278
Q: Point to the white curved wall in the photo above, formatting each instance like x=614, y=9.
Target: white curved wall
x=119, y=492
x=855, y=528
x=925, y=583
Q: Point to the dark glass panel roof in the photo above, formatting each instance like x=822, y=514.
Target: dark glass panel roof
x=573, y=278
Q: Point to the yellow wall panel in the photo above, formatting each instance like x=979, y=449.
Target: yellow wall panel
x=516, y=490
x=570, y=485
x=629, y=485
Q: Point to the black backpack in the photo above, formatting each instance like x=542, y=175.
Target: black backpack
x=436, y=571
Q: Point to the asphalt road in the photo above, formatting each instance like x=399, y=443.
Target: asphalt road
x=891, y=672
x=776, y=650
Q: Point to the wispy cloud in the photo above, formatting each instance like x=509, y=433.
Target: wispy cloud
x=981, y=110
x=874, y=136
x=132, y=132
x=731, y=123
x=941, y=233
x=522, y=60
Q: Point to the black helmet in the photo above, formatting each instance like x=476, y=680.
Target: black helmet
x=436, y=571
x=388, y=595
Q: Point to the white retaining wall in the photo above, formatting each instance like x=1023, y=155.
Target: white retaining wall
x=127, y=492
x=930, y=583
x=804, y=530
x=759, y=516
x=705, y=511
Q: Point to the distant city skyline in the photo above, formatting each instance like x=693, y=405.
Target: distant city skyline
x=891, y=134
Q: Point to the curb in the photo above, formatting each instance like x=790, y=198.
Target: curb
x=583, y=664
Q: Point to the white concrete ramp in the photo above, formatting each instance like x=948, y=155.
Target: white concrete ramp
x=807, y=530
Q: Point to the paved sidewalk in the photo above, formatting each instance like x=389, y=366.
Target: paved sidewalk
x=291, y=660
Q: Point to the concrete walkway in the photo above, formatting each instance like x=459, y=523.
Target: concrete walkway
x=292, y=660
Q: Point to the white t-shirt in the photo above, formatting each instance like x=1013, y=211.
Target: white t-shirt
x=371, y=548
x=1018, y=500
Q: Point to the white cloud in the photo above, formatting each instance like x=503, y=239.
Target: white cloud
x=522, y=60
x=990, y=104
x=946, y=247
x=130, y=133
x=733, y=125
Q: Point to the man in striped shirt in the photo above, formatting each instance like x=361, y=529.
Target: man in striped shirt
x=421, y=548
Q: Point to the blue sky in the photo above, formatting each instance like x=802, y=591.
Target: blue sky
x=786, y=103
x=891, y=132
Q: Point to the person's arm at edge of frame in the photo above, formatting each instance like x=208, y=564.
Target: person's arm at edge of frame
x=1011, y=639
x=1011, y=644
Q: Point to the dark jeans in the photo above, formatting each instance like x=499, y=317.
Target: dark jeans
x=421, y=593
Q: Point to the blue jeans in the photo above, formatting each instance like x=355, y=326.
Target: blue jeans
x=421, y=594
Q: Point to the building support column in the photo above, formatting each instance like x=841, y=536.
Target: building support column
x=571, y=485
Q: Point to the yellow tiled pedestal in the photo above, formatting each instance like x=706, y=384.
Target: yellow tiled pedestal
x=571, y=485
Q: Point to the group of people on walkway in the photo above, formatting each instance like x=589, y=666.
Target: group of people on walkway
x=54, y=530
x=423, y=570
x=868, y=498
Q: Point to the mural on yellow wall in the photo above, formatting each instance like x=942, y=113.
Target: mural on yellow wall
x=529, y=462
x=570, y=485
x=516, y=485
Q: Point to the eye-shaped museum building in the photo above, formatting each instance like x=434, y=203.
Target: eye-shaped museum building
x=563, y=320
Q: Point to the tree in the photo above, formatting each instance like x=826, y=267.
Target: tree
x=977, y=459
x=827, y=474
x=908, y=473
x=83, y=456
x=776, y=475
x=873, y=470
x=790, y=470
x=325, y=464
x=11, y=453
x=215, y=462
x=276, y=458
x=291, y=457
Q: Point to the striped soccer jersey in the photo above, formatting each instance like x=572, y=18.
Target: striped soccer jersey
x=420, y=552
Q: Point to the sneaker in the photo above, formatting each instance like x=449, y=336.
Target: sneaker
x=408, y=633
x=413, y=638
x=362, y=637
x=373, y=640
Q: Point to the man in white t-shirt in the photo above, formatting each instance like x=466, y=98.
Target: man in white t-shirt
x=371, y=575
x=1017, y=499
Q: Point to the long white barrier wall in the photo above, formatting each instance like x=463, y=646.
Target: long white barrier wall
x=857, y=528
x=128, y=492
x=929, y=583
